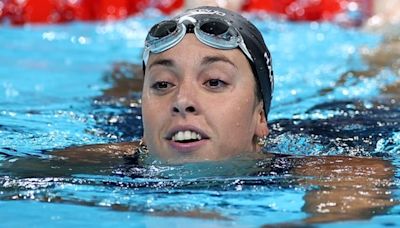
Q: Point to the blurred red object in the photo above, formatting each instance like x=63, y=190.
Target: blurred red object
x=35, y=11
x=111, y=9
x=169, y=6
x=2, y=10
x=79, y=10
x=58, y=11
x=310, y=10
x=91, y=10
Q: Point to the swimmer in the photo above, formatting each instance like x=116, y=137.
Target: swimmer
x=213, y=103
x=207, y=87
x=206, y=96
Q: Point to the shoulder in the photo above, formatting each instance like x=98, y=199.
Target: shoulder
x=104, y=151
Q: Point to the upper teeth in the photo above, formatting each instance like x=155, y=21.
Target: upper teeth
x=186, y=135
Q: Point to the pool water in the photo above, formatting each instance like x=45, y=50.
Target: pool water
x=55, y=93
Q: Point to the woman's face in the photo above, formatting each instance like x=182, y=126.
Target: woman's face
x=199, y=103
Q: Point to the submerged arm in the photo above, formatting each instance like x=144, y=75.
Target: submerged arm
x=345, y=188
x=88, y=159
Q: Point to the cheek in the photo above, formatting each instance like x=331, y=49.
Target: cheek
x=235, y=128
x=151, y=115
x=243, y=118
x=153, y=120
x=152, y=105
x=235, y=116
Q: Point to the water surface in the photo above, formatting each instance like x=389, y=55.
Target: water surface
x=55, y=83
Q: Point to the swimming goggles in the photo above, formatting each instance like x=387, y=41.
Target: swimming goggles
x=214, y=32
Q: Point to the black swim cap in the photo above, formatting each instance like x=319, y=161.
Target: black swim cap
x=261, y=64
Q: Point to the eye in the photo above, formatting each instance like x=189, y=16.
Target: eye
x=215, y=84
x=162, y=85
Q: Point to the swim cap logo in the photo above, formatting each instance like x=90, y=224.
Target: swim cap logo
x=269, y=65
x=189, y=14
x=206, y=11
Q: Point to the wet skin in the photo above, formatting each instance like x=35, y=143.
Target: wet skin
x=207, y=92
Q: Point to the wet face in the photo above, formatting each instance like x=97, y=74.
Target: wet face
x=199, y=103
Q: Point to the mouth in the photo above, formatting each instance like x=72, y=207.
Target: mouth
x=187, y=139
x=186, y=136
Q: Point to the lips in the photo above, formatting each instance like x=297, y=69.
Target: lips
x=186, y=138
x=182, y=136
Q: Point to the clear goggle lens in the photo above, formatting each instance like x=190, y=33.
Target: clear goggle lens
x=212, y=32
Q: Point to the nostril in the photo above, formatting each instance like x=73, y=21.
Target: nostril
x=184, y=109
x=190, y=109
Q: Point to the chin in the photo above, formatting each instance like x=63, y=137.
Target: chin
x=199, y=157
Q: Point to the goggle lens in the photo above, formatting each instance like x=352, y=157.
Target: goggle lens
x=163, y=29
x=214, y=27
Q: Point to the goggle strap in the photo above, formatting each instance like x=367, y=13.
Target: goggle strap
x=243, y=47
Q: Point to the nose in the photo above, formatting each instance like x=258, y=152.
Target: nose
x=185, y=102
x=183, y=109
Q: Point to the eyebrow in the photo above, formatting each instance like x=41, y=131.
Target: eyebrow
x=162, y=62
x=208, y=60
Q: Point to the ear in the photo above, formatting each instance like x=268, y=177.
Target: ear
x=261, y=124
x=143, y=140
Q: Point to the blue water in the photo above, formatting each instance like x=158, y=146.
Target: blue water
x=53, y=80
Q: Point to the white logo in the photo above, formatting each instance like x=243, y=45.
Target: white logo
x=269, y=65
x=205, y=11
x=188, y=16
